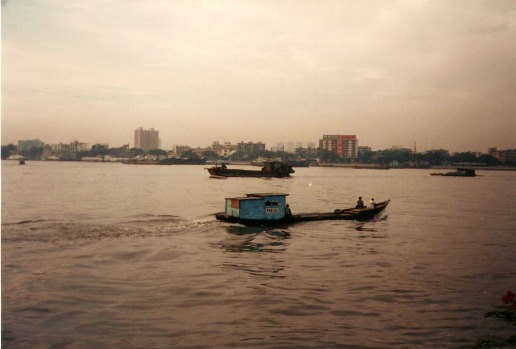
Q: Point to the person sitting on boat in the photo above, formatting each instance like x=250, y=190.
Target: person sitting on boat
x=371, y=203
x=360, y=203
x=288, y=212
x=223, y=166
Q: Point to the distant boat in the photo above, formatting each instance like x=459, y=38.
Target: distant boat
x=300, y=163
x=16, y=157
x=371, y=167
x=270, y=169
x=260, y=162
x=167, y=161
x=140, y=162
x=270, y=209
x=460, y=172
x=187, y=161
x=22, y=162
x=294, y=163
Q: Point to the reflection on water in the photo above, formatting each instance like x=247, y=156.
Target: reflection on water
x=265, y=271
x=369, y=226
x=254, y=239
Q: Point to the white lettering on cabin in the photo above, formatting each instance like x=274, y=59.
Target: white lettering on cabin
x=272, y=210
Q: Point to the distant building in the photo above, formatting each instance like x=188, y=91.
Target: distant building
x=177, y=150
x=343, y=145
x=29, y=144
x=224, y=149
x=401, y=148
x=504, y=156
x=290, y=147
x=363, y=150
x=251, y=147
x=280, y=147
x=146, y=139
x=508, y=156
x=494, y=153
x=310, y=145
x=77, y=146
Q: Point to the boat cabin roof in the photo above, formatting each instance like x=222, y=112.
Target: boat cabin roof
x=258, y=196
x=266, y=194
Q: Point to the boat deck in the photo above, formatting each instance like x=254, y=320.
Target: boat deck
x=347, y=214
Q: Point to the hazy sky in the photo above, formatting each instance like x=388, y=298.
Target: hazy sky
x=441, y=73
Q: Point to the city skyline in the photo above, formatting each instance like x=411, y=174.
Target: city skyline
x=442, y=75
x=280, y=146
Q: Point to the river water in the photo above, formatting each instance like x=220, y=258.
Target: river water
x=100, y=255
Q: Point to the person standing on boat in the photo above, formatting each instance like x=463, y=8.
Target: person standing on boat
x=360, y=203
x=288, y=212
x=371, y=203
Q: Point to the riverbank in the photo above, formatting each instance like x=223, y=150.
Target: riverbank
x=480, y=168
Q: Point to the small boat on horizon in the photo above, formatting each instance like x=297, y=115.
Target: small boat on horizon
x=294, y=163
x=266, y=209
x=166, y=161
x=371, y=167
x=460, y=172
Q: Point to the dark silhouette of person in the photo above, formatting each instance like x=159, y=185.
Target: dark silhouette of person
x=360, y=203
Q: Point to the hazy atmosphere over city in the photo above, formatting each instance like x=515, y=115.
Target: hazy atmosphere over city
x=439, y=73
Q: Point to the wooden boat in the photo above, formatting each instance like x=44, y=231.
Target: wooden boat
x=266, y=209
x=187, y=161
x=460, y=172
x=140, y=162
x=294, y=163
x=371, y=167
x=167, y=161
x=270, y=169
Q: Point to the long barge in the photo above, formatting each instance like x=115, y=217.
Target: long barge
x=269, y=170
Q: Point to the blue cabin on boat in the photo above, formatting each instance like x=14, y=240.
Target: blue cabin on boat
x=260, y=206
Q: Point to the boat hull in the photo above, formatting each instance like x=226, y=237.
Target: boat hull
x=347, y=214
x=220, y=172
x=451, y=175
x=375, y=167
x=461, y=172
x=168, y=161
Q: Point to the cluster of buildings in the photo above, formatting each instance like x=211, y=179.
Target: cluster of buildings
x=73, y=147
x=504, y=156
x=345, y=146
x=149, y=139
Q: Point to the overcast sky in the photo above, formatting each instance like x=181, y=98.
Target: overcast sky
x=441, y=73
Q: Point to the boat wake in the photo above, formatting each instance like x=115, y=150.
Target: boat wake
x=143, y=226
x=254, y=239
x=25, y=222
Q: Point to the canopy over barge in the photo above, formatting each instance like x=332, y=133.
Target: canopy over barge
x=264, y=209
x=270, y=169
